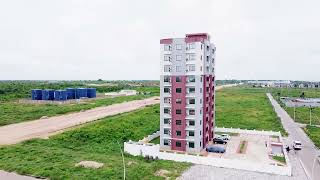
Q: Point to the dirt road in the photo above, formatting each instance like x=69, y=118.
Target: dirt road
x=42, y=128
x=15, y=133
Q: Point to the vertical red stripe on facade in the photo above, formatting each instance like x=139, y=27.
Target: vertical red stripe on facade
x=182, y=116
x=208, y=115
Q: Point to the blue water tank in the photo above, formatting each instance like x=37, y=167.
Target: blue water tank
x=48, y=94
x=36, y=94
x=71, y=93
x=91, y=93
x=60, y=95
x=81, y=93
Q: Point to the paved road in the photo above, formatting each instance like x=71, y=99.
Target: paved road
x=308, y=154
x=15, y=133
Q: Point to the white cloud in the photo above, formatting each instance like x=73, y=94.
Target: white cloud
x=82, y=39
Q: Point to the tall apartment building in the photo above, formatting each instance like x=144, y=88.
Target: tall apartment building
x=187, y=84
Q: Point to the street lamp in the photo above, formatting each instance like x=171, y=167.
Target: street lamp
x=124, y=166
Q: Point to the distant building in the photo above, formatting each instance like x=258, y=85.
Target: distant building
x=270, y=83
x=187, y=90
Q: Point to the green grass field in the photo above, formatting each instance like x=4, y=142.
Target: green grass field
x=314, y=134
x=246, y=108
x=56, y=158
x=302, y=113
x=13, y=112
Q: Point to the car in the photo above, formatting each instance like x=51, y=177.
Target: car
x=297, y=145
x=225, y=137
x=216, y=149
x=219, y=141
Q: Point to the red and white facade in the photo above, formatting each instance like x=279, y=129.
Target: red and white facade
x=187, y=84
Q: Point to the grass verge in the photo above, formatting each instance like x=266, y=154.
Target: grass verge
x=314, y=134
x=246, y=108
x=281, y=159
x=156, y=140
x=56, y=157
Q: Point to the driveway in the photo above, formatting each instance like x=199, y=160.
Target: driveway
x=307, y=156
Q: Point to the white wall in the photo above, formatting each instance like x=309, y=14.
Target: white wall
x=139, y=149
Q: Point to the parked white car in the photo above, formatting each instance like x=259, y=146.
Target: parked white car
x=297, y=145
x=225, y=137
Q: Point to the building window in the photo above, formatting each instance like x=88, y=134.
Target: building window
x=167, y=68
x=178, y=101
x=192, y=78
x=192, y=90
x=166, y=131
x=167, y=47
x=191, y=144
x=166, y=79
x=191, y=133
x=178, y=144
x=191, y=57
x=192, y=101
x=178, y=57
x=166, y=121
x=178, y=122
x=167, y=58
x=166, y=90
x=178, y=111
x=178, y=133
x=191, y=123
x=191, y=46
x=192, y=112
x=207, y=69
x=167, y=100
x=178, y=90
x=191, y=67
x=166, y=142
x=178, y=68
x=178, y=79
x=207, y=58
x=208, y=48
x=178, y=46
x=166, y=110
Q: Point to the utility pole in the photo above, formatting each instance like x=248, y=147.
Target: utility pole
x=124, y=166
x=310, y=115
x=294, y=112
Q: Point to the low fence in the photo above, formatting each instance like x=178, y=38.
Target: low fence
x=246, y=131
x=69, y=101
x=152, y=150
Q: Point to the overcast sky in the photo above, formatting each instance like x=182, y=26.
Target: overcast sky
x=119, y=39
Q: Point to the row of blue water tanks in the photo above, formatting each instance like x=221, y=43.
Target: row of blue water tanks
x=62, y=95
